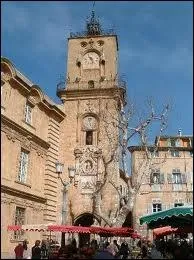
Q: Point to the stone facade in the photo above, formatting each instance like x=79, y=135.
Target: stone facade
x=170, y=181
x=36, y=128
x=39, y=138
x=90, y=109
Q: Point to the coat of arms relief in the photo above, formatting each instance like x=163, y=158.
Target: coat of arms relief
x=88, y=168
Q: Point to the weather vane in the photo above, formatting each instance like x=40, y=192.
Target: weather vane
x=93, y=5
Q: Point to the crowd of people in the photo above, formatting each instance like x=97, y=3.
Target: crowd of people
x=40, y=250
x=158, y=249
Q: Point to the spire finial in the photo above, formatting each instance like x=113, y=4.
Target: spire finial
x=93, y=25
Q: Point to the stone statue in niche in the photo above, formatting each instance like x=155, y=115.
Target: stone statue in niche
x=88, y=166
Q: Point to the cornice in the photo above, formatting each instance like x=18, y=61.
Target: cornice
x=167, y=148
x=21, y=82
x=22, y=194
x=85, y=93
x=24, y=132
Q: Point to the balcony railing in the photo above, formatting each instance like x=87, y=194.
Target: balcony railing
x=85, y=33
x=118, y=83
x=61, y=86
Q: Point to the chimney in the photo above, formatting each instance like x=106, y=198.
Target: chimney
x=179, y=132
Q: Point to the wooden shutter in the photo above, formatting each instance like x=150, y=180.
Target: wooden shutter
x=151, y=178
x=162, y=178
x=149, y=208
x=169, y=178
x=164, y=207
x=184, y=180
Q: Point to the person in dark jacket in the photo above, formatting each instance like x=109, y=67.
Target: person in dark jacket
x=124, y=250
x=36, y=251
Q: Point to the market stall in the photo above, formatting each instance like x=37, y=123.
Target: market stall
x=168, y=230
x=175, y=217
x=102, y=231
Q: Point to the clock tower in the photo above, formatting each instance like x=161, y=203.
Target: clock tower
x=92, y=96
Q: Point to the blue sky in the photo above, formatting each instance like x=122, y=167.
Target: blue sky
x=155, y=47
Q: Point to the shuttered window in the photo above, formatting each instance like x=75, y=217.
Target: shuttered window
x=176, y=176
x=157, y=177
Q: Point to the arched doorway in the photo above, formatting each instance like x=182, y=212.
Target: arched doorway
x=85, y=220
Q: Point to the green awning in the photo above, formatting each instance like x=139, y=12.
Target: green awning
x=175, y=217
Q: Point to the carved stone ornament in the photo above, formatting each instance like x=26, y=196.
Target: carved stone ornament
x=87, y=159
x=89, y=107
x=5, y=76
x=27, y=144
x=11, y=137
x=91, y=43
x=89, y=123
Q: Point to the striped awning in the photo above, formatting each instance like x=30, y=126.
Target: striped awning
x=102, y=231
x=32, y=227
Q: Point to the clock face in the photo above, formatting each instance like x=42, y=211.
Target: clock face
x=89, y=123
x=91, y=60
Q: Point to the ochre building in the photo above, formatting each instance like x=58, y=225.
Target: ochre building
x=170, y=179
x=78, y=133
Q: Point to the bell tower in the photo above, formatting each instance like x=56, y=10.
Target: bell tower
x=92, y=95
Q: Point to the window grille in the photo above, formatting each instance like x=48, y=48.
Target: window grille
x=19, y=220
x=24, y=158
x=28, y=114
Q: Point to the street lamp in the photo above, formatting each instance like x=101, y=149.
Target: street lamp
x=59, y=171
x=59, y=168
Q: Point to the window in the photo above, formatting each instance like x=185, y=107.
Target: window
x=175, y=153
x=178, y=204
x=177, y=143
x=89, y=137
x=157, y=177
x=176, y=177
x=156, y=207
x=155, y=154
x=28, y=114
x=172, y=142
x=191, y=153
x=24, y=157
x=91, y=84
x=19, y=220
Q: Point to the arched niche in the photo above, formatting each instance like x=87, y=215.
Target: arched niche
x=35, y=96
x=7, y=69
x=89, y=124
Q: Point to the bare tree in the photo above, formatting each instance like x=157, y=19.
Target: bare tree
x=118, y=149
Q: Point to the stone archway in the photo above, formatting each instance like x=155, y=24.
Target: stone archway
x=86, y=220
